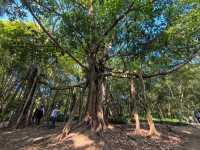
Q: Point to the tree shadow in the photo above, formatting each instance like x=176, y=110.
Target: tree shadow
x=115, y=137
x=18, y=138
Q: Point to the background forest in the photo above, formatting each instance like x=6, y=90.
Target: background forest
x=172, y=97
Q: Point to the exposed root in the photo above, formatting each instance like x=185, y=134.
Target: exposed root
x=40, y=139
x=89, y=125
x=138, y=132
x=68, y=129
x=64, y=133
x=153, y=133
x=152, y=128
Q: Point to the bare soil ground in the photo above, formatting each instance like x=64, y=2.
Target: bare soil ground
x=116, y=137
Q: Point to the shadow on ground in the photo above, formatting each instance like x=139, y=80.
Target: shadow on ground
x=116, y=137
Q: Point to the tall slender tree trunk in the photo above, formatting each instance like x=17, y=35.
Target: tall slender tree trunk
x=11, y=99
x=30, y=111
x=4, y=89
x=152, y=128
x=181, y=104
x=52, y=104
x=82, y=106
x=67, y=104
x=134, y=109
x=169, y=110
x=15, y=114
x=69, y=123
x=32, y=82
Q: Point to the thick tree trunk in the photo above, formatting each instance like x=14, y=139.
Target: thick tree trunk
x=134, y=110
x=100, y=110
x=94, y=114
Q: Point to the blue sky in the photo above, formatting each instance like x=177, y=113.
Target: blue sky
x=3, y=17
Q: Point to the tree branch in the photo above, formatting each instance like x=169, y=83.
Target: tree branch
x=80, y=84
x=51, y=36
x=113, y=25
x=128, y=53
x=128, y=74
x=174, y=69
x=50, y=10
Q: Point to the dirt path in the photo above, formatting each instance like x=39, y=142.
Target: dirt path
x=118, y=137
x=16, y=139
x=191, y=137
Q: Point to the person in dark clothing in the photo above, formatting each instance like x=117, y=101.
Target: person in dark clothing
x=38, y=115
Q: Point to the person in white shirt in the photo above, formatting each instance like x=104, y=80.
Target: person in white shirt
x=54, y=115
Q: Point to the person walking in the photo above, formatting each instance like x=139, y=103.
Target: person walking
x=39, y=113
x=53, y=117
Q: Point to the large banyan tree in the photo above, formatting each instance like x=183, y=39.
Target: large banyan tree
x=121, y=38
